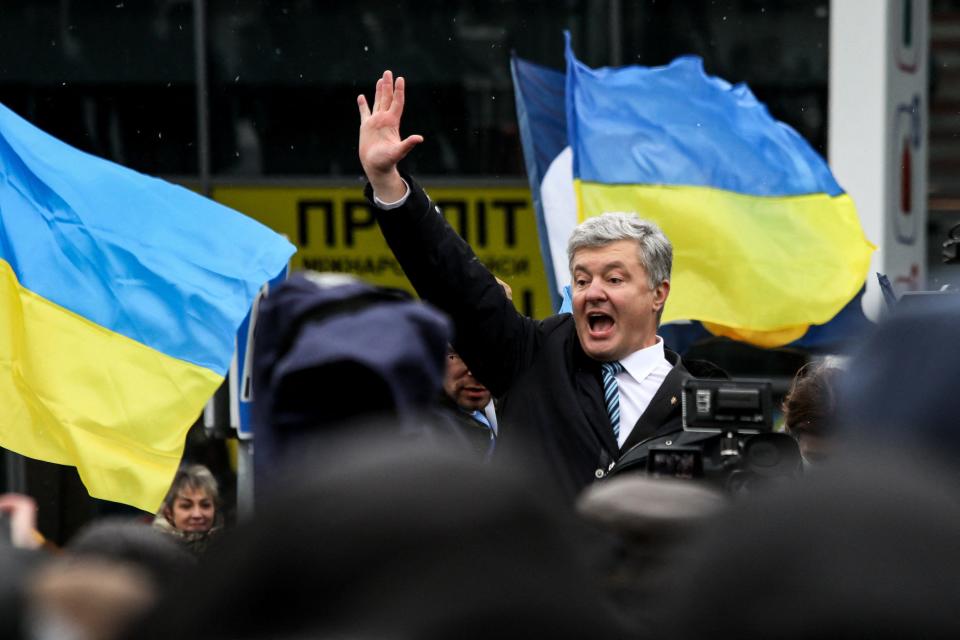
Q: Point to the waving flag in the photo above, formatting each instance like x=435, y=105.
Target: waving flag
x=766, y=242
x=120, y=297
x=541, y=113
x=641, y=131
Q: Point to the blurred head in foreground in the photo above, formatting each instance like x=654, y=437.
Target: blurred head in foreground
x=865, y=548
x=899, y=390
x=387, y=540
x=332, y=351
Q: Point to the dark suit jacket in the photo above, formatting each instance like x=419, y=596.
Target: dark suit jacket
x=474, y=432
x=550, y=407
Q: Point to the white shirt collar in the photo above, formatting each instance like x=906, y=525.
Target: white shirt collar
x=640, y=364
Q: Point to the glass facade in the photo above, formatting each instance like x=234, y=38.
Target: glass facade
x=112, y=78
x=119, y=78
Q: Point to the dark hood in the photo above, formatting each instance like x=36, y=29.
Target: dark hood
x=900, y=389
x=326, y=354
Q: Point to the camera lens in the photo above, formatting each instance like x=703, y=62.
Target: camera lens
x=771, y=454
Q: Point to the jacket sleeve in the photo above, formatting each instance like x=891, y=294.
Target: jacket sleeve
x=493, y=339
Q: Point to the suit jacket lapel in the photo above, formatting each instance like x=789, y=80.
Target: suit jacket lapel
x=665, y=401
x=594, y=409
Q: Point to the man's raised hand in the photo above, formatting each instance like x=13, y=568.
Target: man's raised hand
x=381, y=147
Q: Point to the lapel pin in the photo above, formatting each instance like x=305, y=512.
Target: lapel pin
x=673, y=400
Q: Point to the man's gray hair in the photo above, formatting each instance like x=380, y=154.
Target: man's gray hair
x=653, y=249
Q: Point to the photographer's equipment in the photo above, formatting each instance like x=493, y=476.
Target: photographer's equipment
x=675, y=462
x=889, y=297
x=914, y=301
x=727, y=405
x=923, y=301
x=951, y=246
x=726, y=439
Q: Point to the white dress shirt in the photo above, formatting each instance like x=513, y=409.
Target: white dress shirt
x=644, y=372
x=386, y=206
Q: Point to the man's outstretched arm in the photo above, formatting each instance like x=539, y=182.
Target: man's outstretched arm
x=493, y=339
x=381, y=147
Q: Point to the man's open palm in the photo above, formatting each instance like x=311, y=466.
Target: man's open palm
x=381, y=147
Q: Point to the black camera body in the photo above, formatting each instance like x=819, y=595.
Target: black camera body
x=727, y=439
x=951, y=246
x=717, y=406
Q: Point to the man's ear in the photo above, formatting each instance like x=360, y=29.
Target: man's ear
x=660, y=293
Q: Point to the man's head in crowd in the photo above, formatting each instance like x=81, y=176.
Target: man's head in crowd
x=460, y=385
x=620, y=273
x=809, y=409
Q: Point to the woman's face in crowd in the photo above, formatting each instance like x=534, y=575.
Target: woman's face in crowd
x=193, y=510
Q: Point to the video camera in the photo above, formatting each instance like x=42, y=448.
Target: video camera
x=951, y=246
x=727, y=439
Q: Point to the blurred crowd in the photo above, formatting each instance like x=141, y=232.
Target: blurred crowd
x=384, y=509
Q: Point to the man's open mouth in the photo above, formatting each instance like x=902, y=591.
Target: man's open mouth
x=599, y=323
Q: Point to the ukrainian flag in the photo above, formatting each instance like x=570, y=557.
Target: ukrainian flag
x=766, y=242
x=120, y=296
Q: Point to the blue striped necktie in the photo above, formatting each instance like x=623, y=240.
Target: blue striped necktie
x=481, y=417
x=611, y=393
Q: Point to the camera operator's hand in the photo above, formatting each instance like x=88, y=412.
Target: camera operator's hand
x=21, y=511
x=381, y=147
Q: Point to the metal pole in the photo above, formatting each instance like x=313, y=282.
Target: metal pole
x=203, y=92
x=16, y=473
x=213, y=412
x=616, y=34
x=245, y=486
x=216, y=413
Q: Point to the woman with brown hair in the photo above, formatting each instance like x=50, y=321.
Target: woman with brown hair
x=810, y=409
x=190, y=510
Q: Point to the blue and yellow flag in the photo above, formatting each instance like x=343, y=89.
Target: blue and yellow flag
x=120, y=296
x=542, y=118
x=766, y=242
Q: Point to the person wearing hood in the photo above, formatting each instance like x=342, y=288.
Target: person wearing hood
x=333, y=355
